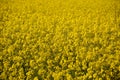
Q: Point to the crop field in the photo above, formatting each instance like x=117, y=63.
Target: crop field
x=59, y=40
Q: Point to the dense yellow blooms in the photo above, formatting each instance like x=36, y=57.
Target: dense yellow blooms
x=59, y=40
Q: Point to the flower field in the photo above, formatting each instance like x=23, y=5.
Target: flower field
x=59, y=40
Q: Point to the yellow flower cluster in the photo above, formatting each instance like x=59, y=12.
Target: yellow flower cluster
x=59, y=40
